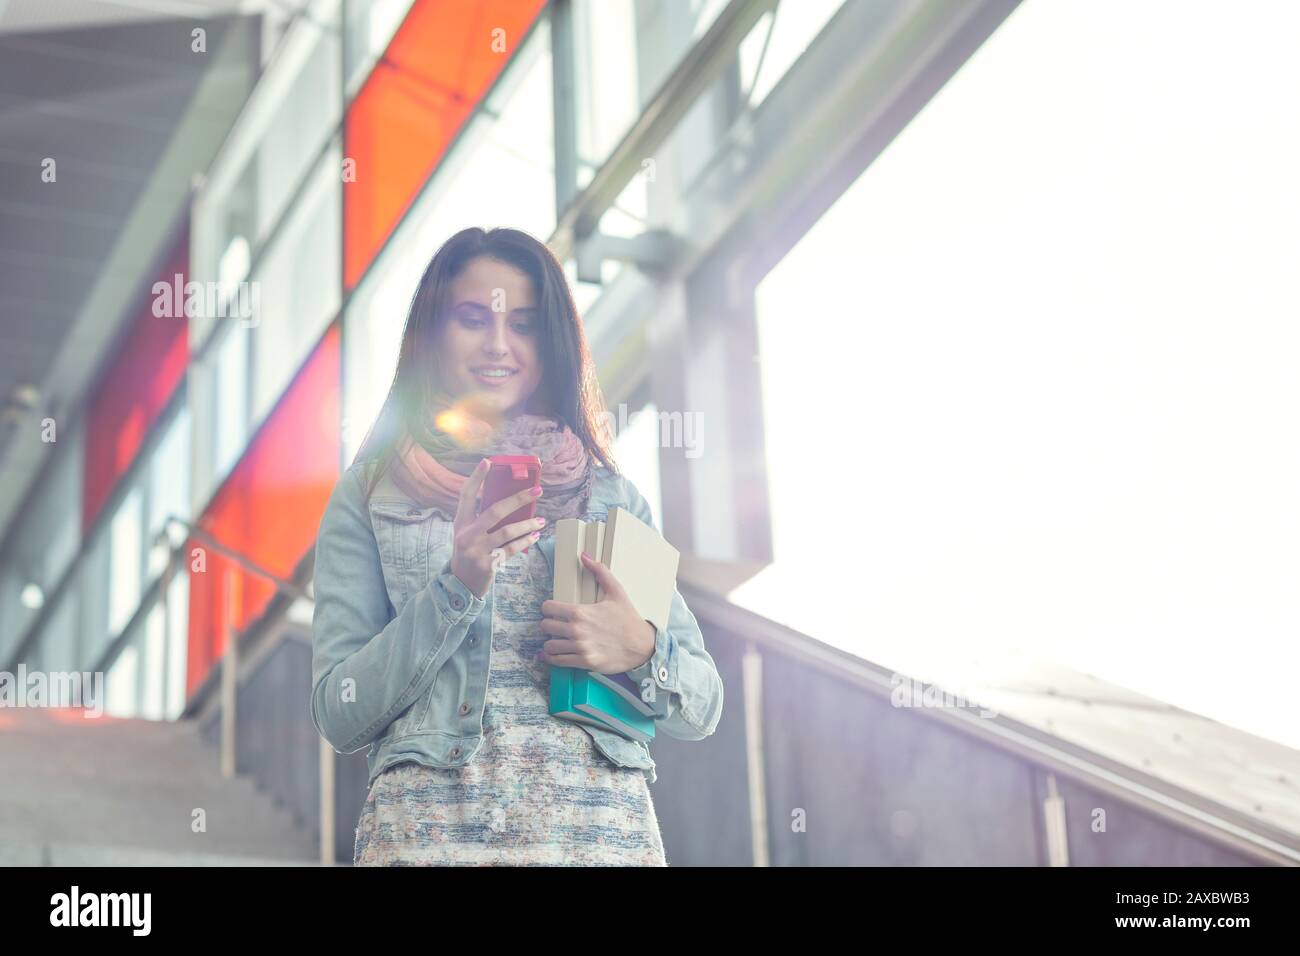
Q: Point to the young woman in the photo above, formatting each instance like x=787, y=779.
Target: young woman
x=433, y=637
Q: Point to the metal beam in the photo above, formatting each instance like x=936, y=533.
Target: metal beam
x=564, y=98
x=694, y=75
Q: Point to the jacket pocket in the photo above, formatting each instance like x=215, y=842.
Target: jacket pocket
x=619, y=750
x=412, y=541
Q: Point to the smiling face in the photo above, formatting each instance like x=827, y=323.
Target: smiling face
x=489, y=350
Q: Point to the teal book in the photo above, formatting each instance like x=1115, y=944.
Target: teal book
x=562, y=698
x=575, y=696
x=592, y=697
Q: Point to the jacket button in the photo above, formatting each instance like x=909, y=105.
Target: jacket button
x=663, y=675
x=455, y=751
x=464, y=708
x=457, y=601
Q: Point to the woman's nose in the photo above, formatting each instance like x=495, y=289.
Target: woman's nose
x=496, y=339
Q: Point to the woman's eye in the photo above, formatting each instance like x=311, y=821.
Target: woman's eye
x=525, y=327
x=469, y=322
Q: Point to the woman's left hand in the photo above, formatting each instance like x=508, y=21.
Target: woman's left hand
x=607, y=637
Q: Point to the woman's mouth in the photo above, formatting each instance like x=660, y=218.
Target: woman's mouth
x=494, y=375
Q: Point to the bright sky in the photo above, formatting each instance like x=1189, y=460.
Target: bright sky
x=1033, y=382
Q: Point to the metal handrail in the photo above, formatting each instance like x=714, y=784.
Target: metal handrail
x=243, y=560
x=1168, y=801
x=175, y=556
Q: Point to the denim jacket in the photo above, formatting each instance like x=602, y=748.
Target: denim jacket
x=401, y=649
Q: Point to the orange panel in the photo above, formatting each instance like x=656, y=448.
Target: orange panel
x=440, y=63
x=270, y=507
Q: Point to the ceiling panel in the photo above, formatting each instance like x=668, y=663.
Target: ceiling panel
x=101, y=89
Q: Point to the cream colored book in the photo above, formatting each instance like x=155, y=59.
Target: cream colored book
x=570, y=533
x=593, y=544
x=644, y=563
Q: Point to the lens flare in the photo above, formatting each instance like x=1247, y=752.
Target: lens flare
x=468, y=422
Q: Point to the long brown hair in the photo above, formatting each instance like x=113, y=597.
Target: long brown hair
x=569, y=388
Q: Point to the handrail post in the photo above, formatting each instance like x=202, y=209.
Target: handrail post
x=327, y=767
x=164, y=602
x=1055, y=834
x=229, y=677
x=752, y=692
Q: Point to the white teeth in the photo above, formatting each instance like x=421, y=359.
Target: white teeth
x=495, y=373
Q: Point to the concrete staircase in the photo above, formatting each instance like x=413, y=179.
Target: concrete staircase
x=115, y=792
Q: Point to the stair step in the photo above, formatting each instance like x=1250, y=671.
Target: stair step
x=114, y=791
x=72, y=854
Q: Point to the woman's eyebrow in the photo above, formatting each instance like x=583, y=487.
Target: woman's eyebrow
x=480, y=307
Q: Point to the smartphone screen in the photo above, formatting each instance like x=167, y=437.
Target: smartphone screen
x=508, y=475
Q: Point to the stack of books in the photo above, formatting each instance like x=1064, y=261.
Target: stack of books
x=646, y=566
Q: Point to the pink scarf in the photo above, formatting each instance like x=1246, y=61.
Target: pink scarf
x=465, y=439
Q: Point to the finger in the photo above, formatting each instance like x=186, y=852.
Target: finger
x=468, y=492
x=512, y=531
x=604, y=577
x=567, y=660
x=517, y=545
x=550, y=625
x=560, y=646
x=508, y=505
x=494, y=556
x=560, y=610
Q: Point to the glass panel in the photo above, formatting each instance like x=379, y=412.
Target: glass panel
x=606, y=98
x=438, y=67
x=637, y=452
x=126, y=558
x=371, y=25
x=92, y=588
x=139, y=381
x=57, y=648
x=620, y=62
x=46, y=536
x=290, y=117
x=230, y=383
x=219, y=402
x=270, y=507
x=177, y=643
x=122, y=684
x=500, y=171
x=105, y=592
x=1048, y=343
x=585, y=294
x=769, y=51
x=16, y=612
x=169, y=486
x=154, y=646
x=147, y=678
x=298, y=286
x=629, y=214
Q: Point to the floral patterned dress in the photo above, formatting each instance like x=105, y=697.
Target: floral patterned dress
x=536, y=793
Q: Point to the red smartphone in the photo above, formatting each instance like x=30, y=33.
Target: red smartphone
x=508, y=475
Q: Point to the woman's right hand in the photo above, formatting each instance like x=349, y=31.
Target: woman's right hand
x=476, y=552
